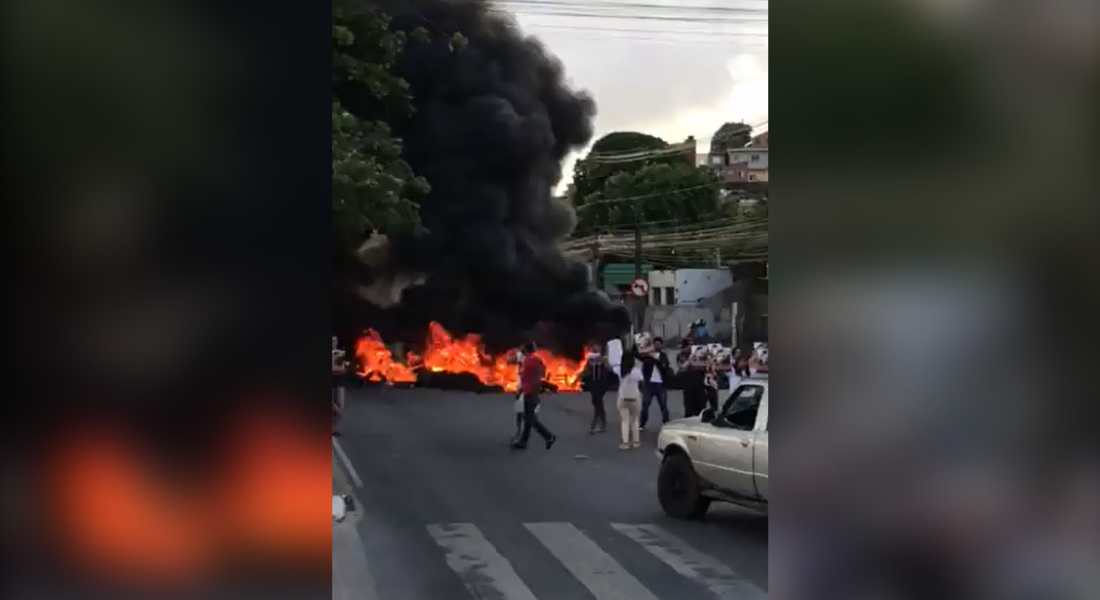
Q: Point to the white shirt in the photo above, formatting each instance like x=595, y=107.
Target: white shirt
x=615, y=355
x=630, y=384
x=655, y=375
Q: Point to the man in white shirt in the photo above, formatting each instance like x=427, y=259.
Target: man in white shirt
x=656, y=370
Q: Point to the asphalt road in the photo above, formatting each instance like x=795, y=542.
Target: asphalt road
x=446, y=511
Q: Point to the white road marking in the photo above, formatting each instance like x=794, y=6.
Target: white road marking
x=721, y=580
x=484, y=572
x=351, y=576
x=604, y=577
x=347, y=463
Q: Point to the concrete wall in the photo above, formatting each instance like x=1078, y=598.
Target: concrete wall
x=671, y=322
x=659, y=284
x=695, y=285
x=691, y=285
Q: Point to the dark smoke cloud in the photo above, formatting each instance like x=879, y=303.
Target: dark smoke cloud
x=494, y=121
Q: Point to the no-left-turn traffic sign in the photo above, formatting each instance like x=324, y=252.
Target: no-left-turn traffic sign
x=639, y=288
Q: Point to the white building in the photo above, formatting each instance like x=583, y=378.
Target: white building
x=686, y=286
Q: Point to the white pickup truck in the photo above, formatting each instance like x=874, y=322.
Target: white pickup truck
x=719, y=456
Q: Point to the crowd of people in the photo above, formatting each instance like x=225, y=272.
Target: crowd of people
x=643, y=373
x=637, y=376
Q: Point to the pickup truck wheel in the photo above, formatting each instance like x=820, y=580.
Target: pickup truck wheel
x=679, y=491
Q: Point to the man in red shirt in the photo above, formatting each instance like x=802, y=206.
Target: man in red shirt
x=531, y=372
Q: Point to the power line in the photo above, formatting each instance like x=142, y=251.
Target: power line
x=667, y=41
x=745, y=229
x=619, y=4
x=634, y=5
x=708, y=34
x=629, y=17
x=642, y=196
x=635, y=154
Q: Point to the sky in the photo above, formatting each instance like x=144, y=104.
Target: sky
x=670, y=68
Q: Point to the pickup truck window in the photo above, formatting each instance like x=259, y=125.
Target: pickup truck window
x=740, y=410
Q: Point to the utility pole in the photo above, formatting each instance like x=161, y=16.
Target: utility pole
x=597, y=263
x=639, y=303
x=638, y=249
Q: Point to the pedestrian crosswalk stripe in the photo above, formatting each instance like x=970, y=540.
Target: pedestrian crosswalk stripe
x=721, y=580
x=604, y=577
x=484, y=572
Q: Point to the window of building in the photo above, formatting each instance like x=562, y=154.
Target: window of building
x=655, y=296
x=755, y=158
x=670, y=296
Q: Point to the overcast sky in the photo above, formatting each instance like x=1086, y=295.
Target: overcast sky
x=670, y=68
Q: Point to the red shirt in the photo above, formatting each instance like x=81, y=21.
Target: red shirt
x=530, y=375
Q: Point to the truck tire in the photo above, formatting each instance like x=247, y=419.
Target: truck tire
x=679, y=491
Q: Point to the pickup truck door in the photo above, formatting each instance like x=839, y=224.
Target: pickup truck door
x=726, y=449
x=760, y=450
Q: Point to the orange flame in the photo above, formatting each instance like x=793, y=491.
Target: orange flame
x=446, y=354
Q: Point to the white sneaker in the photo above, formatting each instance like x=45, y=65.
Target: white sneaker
x=624, y=446
x=637, y=445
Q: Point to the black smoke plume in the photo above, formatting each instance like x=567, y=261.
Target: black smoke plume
x=493, y=122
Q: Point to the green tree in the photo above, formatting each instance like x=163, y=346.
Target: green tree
x=661, y=192
x=622, y=142
x=372, y=187
x=624, y=153
x=731, y=135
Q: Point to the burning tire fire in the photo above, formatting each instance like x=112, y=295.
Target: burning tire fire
x=457, y=363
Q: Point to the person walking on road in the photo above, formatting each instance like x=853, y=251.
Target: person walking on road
x=712, y=371
x=629, y=400
x=691, y=375
x=531, y=373
x=741, y=363
x=656, y=370
x=598, y=378
x=339, y=372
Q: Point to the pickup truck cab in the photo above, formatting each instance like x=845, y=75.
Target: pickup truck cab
x=717, y=456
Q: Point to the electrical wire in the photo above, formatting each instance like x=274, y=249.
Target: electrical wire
x=631, y=17
x=747, y=230
x=633, y=4
x=587, y=205
x=644, y=153
x=707, y=34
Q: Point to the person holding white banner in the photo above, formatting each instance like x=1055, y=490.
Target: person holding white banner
x=629, y=402
x=629, y=370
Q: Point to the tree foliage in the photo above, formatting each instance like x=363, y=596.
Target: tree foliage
x=669, y=193
x=372, y=187
x=621, y=142
x=613, y=189
x=590, y=172
x=731, y=135
x=663, y=192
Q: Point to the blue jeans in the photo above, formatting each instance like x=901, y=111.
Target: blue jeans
x=651, y=390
